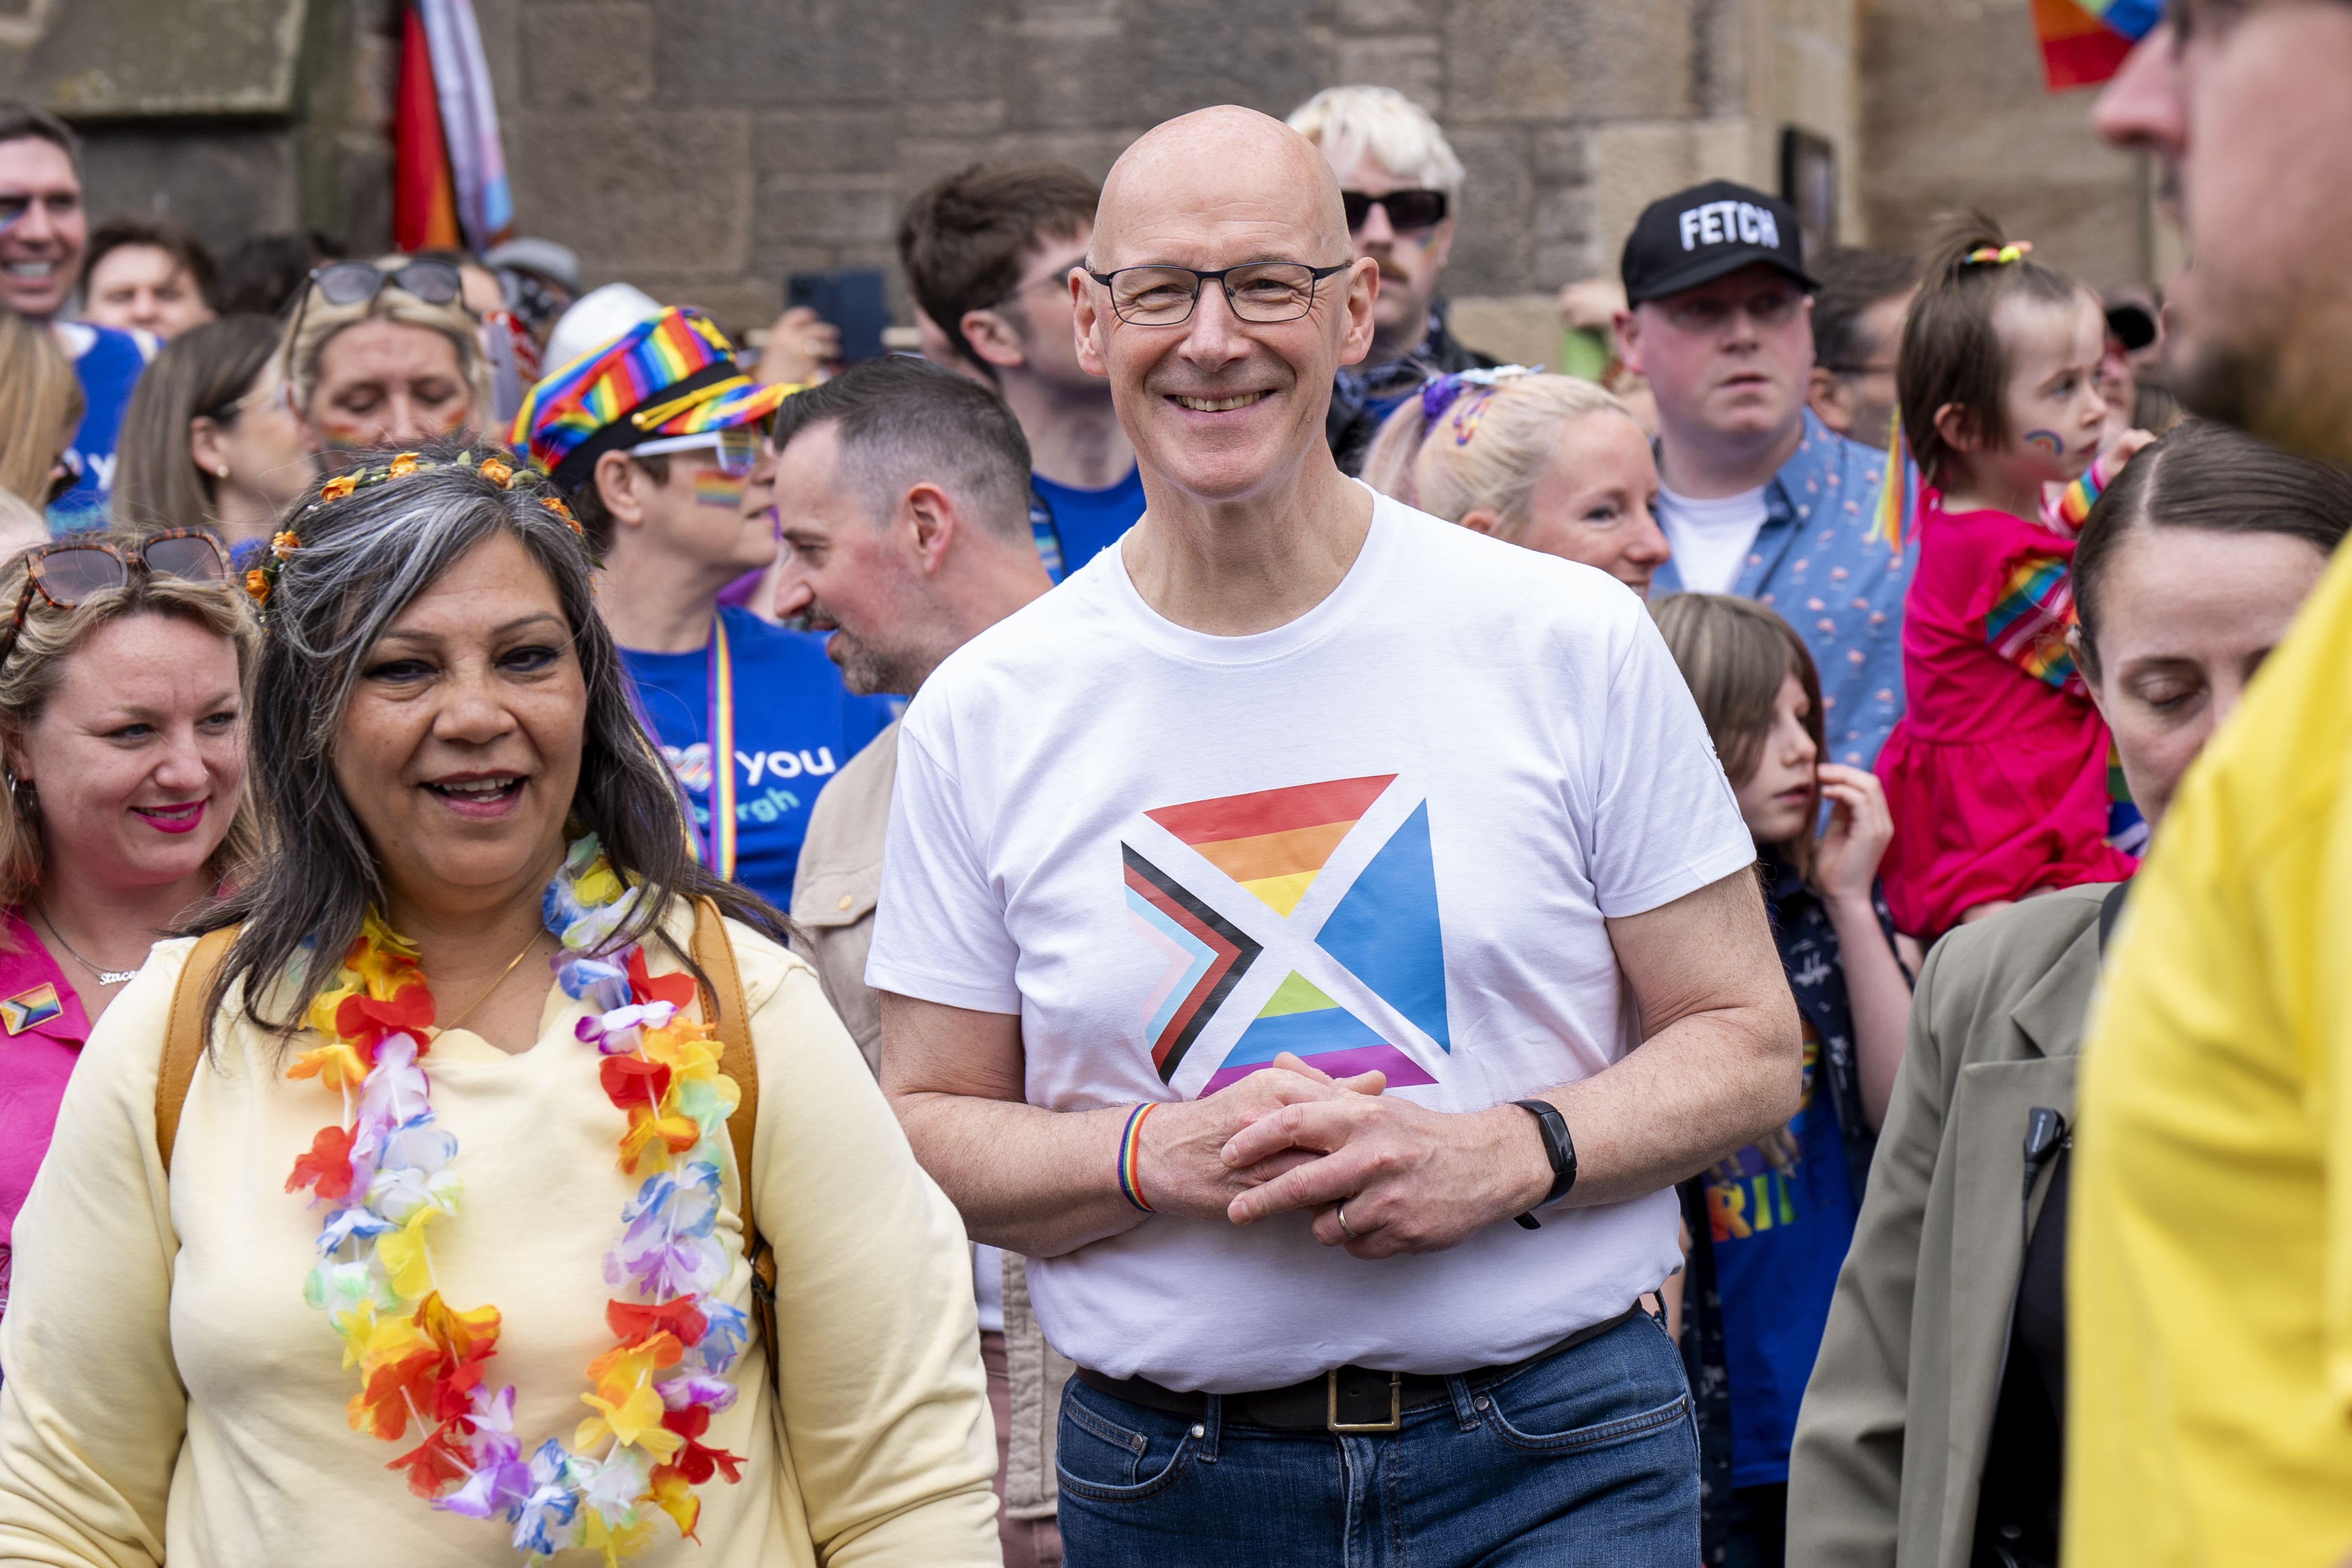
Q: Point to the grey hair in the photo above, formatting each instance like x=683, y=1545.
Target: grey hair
x=361, y=562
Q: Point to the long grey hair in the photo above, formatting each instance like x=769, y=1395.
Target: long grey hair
x=361, y=561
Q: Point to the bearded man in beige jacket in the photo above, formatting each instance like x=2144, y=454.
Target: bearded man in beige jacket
x=901, y=491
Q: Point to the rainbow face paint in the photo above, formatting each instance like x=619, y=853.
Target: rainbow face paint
x=2048, y=441
x=712, y=487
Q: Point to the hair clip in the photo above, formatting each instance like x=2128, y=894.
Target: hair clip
x=1997, y=255
x=1441, y=393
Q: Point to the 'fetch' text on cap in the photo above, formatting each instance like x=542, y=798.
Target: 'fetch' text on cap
x=1714, y=223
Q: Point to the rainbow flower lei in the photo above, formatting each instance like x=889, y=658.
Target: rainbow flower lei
x=384, y=1172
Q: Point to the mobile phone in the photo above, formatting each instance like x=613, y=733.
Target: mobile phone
x=849, y=298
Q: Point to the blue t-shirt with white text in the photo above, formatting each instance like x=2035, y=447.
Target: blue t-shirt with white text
x=1780, y=1215
x=109, y=364
x=795, y=724
x=1078, y=525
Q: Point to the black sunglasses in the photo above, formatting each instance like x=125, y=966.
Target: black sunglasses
x=356, y=282
x=1406, y=209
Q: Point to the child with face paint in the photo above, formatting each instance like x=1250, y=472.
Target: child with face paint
x=659, y=439
x=1998, y=774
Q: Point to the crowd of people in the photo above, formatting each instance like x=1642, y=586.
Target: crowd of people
x=1200, y=926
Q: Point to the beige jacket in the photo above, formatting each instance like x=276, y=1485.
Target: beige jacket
x=833, y=893
x=1892, y=1436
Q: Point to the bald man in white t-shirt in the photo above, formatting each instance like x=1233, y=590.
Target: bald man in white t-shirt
x=1269, y=916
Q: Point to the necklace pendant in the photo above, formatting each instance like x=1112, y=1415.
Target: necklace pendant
x=116, y=976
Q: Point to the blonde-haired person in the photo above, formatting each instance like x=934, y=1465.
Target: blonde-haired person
x=41, y=405
x=386, y=353
x=1399, y=183
x=1546, y=461
x=123, y=672
x=1768, y=1226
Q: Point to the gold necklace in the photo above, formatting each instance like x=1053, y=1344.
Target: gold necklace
x=512, y=965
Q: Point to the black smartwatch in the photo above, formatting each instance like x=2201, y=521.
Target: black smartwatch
x=1558, y=1148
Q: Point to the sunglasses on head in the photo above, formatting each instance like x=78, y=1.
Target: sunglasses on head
x=357, y=282
x=734, y=450
x=67, y=573
x=1406, y=209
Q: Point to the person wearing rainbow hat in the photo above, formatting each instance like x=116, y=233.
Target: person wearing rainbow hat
x=657, y=438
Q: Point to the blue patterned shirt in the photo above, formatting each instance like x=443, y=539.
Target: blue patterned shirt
x=1844, y=592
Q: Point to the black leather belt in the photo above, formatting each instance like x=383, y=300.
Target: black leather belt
x=1345, y=1399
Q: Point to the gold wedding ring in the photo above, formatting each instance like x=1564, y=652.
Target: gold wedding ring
x=1342, y=1217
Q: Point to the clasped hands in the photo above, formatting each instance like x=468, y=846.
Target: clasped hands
x=1288, y=1136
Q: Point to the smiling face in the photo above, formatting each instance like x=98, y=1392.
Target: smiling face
x=2186, y=616
x=1729, y=359
x=1219, y=408
x=43, y=230
x=2053, y=413
x=459, y=752
x=138, y=756
x=1776, y=798
x=1597, y=499
x=387, y=383
x=143, y=286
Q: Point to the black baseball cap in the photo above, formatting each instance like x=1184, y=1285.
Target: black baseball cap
x=1698, y=236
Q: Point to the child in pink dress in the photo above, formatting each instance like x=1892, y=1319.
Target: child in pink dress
x=1996, y=774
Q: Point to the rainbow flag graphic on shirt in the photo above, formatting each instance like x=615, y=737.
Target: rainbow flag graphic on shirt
x=1275, y=845
x=2027, y=623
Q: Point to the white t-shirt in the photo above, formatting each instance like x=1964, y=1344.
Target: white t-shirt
x=988, y=1286
x=1711, y=538
x=1386, y=834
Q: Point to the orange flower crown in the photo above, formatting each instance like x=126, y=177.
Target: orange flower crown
x=497, y=466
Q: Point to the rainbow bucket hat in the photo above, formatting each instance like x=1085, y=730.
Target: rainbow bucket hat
x=671, y=374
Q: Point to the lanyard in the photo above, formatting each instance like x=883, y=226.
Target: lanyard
x=719, y=851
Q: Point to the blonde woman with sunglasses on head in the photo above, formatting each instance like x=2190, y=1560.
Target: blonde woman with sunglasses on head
x=385, y=353
x=123, y=671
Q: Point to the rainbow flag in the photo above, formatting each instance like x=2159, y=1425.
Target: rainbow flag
x=449, y=172
x=423, y=194
x=2027, y=623
x=1274, y=843
x=2084, y=42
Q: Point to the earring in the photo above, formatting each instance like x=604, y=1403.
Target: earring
x=222, y=470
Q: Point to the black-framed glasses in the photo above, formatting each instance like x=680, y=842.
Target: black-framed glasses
x=68, y=572
x=1406, y=209
x=1260, y=292
x=357, y=282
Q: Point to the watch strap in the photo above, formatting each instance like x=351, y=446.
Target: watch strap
x=1558, y=1148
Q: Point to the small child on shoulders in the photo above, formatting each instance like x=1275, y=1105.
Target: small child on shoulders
x=1997, y=773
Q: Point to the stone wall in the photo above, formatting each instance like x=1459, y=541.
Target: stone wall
x=704, y=149
x=1954, y=114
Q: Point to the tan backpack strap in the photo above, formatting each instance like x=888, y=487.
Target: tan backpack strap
x=185, y=1037
x=723, y=1006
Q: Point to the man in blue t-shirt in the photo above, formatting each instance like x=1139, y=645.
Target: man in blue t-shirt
x=43, y=233
x=657, y=438
x=988, y=253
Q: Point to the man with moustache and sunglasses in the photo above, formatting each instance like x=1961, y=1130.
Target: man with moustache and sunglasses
x=1399, y=182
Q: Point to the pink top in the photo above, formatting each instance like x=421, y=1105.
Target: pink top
x=1997, y=772
x=44, y=1030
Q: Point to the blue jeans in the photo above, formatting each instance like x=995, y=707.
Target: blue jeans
x=1591, y=1457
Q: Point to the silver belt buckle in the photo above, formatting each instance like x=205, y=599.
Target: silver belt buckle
x=1331, y=1421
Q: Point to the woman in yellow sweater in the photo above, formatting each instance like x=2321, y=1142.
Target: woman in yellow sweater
x=440, y=1257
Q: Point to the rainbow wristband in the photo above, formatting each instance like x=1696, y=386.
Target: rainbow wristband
x=1130, y=1156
